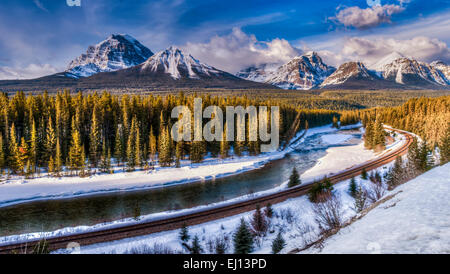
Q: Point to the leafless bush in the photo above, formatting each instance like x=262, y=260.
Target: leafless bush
x=375, y=191
x=328, y=212
x=147, y=249
x=218, y=245
x=287, y=215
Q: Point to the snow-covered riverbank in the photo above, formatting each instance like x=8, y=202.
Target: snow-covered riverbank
x=20, y=190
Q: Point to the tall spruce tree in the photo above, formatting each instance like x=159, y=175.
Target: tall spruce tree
x=353, y=187
x=94, y=140
x=243, y=239
x=278, y=243
x=444, y=146
x=76, y=151
x=294, y=179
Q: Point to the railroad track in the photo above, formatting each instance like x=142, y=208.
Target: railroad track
x=198, y=217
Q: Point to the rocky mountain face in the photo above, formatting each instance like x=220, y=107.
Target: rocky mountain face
x=349, y=72
x=178, y=65
x=303, y=72
x=168, y=69
x=410, y=72
x=258, y=73
x=116, y=52
x=443, y=68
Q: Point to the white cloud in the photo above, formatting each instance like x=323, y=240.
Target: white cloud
x=421, y=48
x=29, y=72
x=238, y=50
x=366, y=18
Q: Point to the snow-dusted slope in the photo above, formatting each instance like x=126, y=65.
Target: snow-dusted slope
x=118, y=51
x=417, y=220
x=443, y=68
x=381, y=63
x=302, y=72
x=258, y=73
x=347, y=71
x=411, y=72
x=174, y=62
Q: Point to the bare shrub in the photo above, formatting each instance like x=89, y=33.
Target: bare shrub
x=219, y=244
x=287, y=215
x=147, y=249
x=328, y=212
x=375, y=191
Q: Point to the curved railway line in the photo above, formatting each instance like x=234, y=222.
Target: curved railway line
x=198, y=217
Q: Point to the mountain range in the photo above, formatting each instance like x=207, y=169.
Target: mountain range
x=393, y=71
x=122, y=62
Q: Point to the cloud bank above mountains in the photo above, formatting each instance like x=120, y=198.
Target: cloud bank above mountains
x=237, y=50
x=228, y=35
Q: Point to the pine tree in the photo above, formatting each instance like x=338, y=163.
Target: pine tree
x=444, y=147
x=94, y=140
x=353, y=187
x=33, y=148
x=22, y=155
x=360, y=200
x=268, y=211
x=184, y=234
x=165, y=147
x=243, y=239
x=152, y=148
x=335, y=122
x=13, y=149
x=378, y=139
x=364, y=175
x=50, y=140
x=57, y=168
x=395, y=175
x=131, y=147
x=137, y=147
x=196, y=248
x=369, y=135
x=278, y=244
x=119, y=151
x=2, y=155
x=76, y=151
x=294, y=179
x=105, y=165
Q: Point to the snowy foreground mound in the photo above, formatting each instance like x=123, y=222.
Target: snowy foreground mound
x=417, y=220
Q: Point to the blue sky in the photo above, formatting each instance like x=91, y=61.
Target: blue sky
x=42, y=36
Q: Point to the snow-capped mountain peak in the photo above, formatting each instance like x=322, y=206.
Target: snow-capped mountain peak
x=381, y=63
x=177, y=63
x=302, y=72
x=347, y=71
x=409, y=71
x=118, y=51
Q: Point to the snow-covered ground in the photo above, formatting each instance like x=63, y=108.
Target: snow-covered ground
x=416, y=220
x=20, y=190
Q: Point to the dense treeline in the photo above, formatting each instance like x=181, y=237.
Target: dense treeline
x=429, y=118
x=79, y=131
